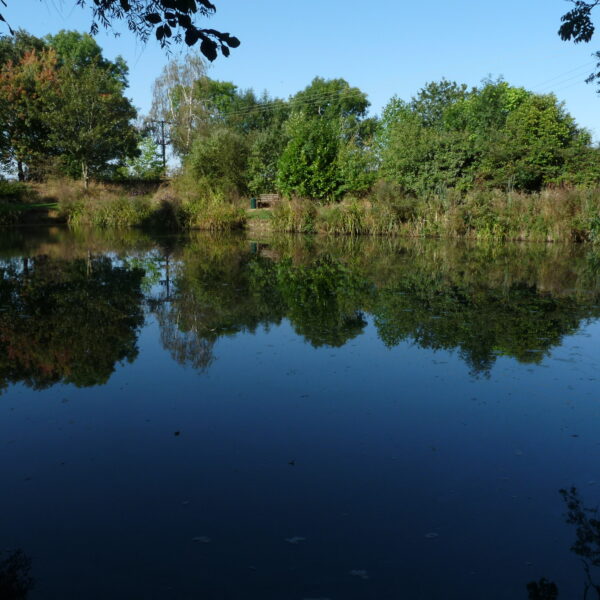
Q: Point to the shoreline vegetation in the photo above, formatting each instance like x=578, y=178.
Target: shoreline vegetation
x=492, y=161
x=551, y=215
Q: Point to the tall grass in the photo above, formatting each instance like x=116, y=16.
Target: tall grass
x=199, y=205
x=171, y=207
x=553, y=215
x=295, y=215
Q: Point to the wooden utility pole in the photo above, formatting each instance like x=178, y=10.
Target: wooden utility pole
x=163, y=140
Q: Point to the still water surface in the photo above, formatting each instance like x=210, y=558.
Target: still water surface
x=220, y=418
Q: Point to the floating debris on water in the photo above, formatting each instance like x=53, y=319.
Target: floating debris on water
x=294, y=540
x=201, y=539
x=359, y=573
x=432, y=535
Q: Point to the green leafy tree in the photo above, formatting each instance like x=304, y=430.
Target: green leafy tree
x=326, y=116
x=175, y=104
x=91, y=120
x=538, y=135
x=78, y=51
x=220, y=158
x=308, y=165
x=263, y=161
x=13, y=47
x=148, y=165
x=493, y=136
x=26, y=88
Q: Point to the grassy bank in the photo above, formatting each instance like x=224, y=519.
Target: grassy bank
x=550, y=216
x=553, y=215
x=168, y=207
x=20, y=204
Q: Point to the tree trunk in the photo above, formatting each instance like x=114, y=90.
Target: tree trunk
x=20, y=170
x=84, y=174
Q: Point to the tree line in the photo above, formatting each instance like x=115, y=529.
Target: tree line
x=63, y=110
x=322, y=144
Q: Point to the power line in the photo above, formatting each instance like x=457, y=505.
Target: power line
x=543, y=84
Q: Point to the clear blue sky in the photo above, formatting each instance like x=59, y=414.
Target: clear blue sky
x=384, y=47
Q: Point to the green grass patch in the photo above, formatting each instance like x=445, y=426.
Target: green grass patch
x=25, y=206
x=262, y=214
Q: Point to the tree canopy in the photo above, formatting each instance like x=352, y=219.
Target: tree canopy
x=62, y=106
x=169, y=20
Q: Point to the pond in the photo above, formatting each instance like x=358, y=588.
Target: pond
x=297, y=418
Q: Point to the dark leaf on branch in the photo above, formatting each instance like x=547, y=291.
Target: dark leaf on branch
x=172, y=4
x=184, y=20
x=209, y=49
x=231, y=40
x=225, y=50
x=577, y=24
x=153, y=18
x=208, y=5
x=191, y=37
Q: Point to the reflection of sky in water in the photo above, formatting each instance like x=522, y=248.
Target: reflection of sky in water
x=410, y=477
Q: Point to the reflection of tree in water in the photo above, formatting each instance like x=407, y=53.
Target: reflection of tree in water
x=542, y=590
x=587, y=547
x=67, y=321
x=480, y=321
x=225, y=295
x=483, y=309
x=15, y=579
x=587, y=532
x=186, y=347
x=323, y=300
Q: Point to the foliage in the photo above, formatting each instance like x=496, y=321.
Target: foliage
x=325, y=131
x=577, y=25
x=168, y=19
x=494, y=136
x=147, y=165
x=26, y=88
x=91, y=120
x=78, y=51
x=308, y=165
x=67, y=321
x=62, y=106
x=263, y=159
x=12, y=190
x=220, y=157
x=174, y=103
x=295, y=215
